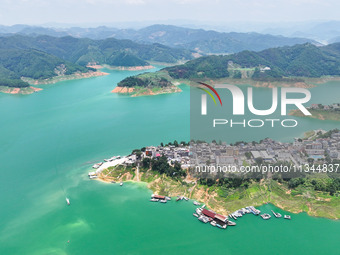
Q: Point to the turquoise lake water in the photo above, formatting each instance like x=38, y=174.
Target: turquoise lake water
x=48, y=143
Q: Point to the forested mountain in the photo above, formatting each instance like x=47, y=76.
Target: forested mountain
x=206, y=41
x=44, y=57
x=304, y=60
x=274, y=64
x=31, y=63
x=82, y=51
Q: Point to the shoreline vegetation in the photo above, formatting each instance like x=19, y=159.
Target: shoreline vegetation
x=317, y=204
x=122, y=68
x=53, y=80
x=317, y=194
x=321, y=112
x=140, y=91
x=146, y=84
x=23, y=91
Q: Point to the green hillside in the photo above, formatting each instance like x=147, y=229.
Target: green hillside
x=45, y=57
x=304, y=60
x=276, y=64
x=16, y=63
x=82, y=50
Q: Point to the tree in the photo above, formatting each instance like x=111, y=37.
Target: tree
x=259, y=161
x=146, y=163
x=248, y=155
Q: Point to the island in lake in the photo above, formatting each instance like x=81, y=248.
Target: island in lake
x=168, y=171
x=321, y=112
x=146, y=84
x=268, y=68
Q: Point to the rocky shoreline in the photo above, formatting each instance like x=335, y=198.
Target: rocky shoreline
x=74, y=76
x=127, y=68
x=141, y=91
x=156, y=183
x=23, y=91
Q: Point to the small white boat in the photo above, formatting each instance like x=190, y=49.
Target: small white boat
x=287, y=217
x=68, y=201
x=186, y=199
x=196, y=203
x=266, y=216
x=199, y=211
x=163, y=201
x=168, y=198
x=204, y=219
x=224, y=226
x=213, y=223
x=95, y=166
x=121, y=184
x=231, y=223
x=195, y=214
x=277, y=215
x=154, y=200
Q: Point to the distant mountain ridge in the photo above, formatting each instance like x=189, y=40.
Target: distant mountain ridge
x=206, y=41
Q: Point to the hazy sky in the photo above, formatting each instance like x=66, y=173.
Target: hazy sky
x=110, y=11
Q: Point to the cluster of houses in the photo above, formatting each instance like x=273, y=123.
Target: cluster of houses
x=325, y=107
x=299, y=152
x=173, y=153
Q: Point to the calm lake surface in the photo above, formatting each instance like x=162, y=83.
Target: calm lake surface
x=48, y=143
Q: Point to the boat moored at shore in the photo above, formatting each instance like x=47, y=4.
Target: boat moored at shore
x=266, y=216
x=213, y=223
x=96, y=166
x=253, y=210
x=277, y=215
x=287, y=217
x=231, y=223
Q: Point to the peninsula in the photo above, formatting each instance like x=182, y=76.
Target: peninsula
x=321, y=112
x=167, y=170
x=146, y=84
